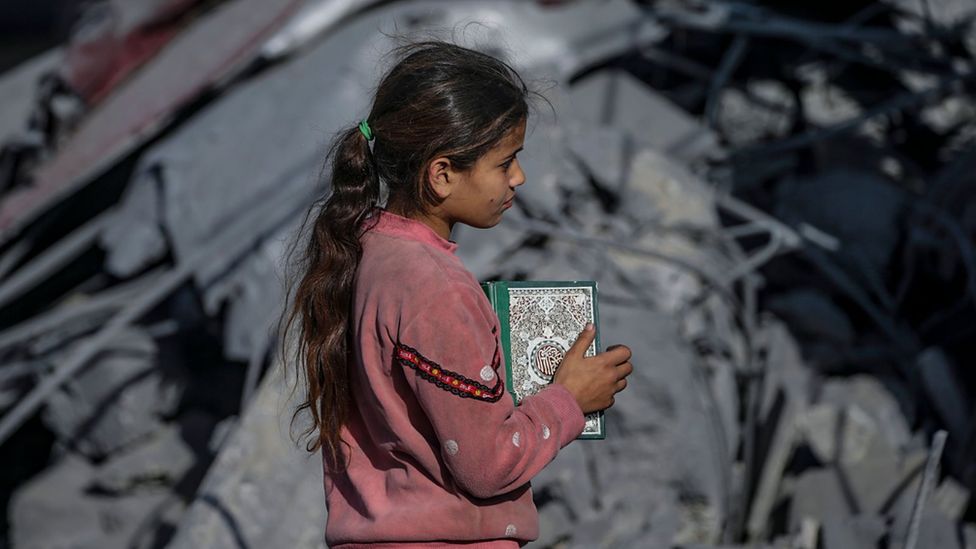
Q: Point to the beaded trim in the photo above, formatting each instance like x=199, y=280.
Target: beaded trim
x=452, y=382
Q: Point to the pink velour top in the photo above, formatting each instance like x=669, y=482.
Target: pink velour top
x=438, y=454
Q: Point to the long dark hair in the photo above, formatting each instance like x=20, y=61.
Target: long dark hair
x=438, y=99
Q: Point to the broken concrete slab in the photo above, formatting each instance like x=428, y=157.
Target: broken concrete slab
x=50, y=510
x=784, y=368
x=262, y=490
x=952, y=498
x=819, y=494
x=134, y=237
x=54, y=510
x=18, y=87
x=873, y=483
x=613, y=97
x=838, y=435
x=162, y=460
x=116, y=400
x=764, y=109
x=870, y=395
x=605, y=153
x=672, y=204
x=251, y=296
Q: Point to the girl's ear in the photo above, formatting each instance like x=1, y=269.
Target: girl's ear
x=441, y=177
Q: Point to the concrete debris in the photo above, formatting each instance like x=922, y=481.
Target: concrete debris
x=777, y=205
x=262, y=490
x=840, y=436
x=220, y=41
x=21, y=140
x=615, y=98
x=763, y=109
x=54, y=509
x=162, y=460
x=116, y=400
x=819, y=495
x=604, y=151
x=17, y=87
x=133, y=239
x=824, y=103
x=874, y=481
x=869, y=394
x=951, y=498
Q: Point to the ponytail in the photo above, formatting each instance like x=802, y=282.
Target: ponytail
x=323, y=298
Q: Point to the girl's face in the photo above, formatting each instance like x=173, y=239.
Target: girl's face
x=480, y=196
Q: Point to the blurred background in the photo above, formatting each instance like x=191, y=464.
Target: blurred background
x=777, y=199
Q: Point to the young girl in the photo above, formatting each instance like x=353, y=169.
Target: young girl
x=399, y=346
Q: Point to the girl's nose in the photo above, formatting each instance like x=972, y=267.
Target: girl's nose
x=519, y=175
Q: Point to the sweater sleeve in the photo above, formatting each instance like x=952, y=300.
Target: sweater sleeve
x=452, y=358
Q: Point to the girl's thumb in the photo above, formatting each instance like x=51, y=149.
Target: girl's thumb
x=584, y=340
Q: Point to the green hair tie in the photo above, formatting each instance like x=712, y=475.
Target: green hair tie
x=364, y=129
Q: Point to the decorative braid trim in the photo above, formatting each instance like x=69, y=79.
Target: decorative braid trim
x=452, y=382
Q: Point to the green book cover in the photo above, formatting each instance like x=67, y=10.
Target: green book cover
x=540, y=320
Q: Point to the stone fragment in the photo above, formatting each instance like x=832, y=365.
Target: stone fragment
x=838, y=435
x=55, y=509
x=605, y=152
x=871, y=395
x=116, y=400
x=952, y=498
x=820, y=495
x=612, y=97
x=764, y=110
x=161, y=460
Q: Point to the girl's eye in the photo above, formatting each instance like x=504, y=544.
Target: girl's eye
x=508, y=163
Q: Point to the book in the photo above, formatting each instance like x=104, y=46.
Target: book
x=540, y=320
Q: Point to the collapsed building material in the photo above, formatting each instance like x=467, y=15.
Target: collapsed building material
x=112, y=39
x=726, y=433
x=164, y=459
x=228, y=243
x=116, y=400
x=112, y=131
x=262, y=490
x=51, y=260
x=54, y=510
x=615, y=98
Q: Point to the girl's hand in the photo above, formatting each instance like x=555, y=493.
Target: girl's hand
x=594, y=380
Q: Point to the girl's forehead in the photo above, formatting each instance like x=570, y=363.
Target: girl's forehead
x=512, y=139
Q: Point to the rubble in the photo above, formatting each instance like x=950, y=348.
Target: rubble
x=164, y=459
x=114, y=401
x=777, y=203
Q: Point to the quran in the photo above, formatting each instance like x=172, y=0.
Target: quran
x=540, y=320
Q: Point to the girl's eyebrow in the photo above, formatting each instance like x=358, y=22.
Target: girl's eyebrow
x=516, y=151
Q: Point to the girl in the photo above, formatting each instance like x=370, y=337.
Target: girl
x=399, y=346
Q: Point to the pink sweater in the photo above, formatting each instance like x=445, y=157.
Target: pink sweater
x=438, y=453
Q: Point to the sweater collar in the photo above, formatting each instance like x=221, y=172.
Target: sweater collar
x=396, y=225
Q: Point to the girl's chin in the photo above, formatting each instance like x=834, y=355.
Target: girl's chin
x=486, y=223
